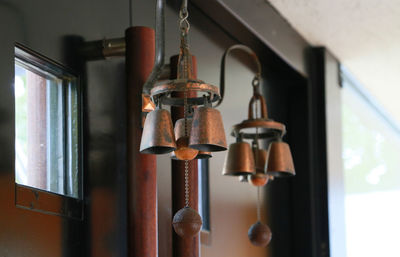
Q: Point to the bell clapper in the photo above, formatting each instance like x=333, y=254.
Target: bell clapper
x=259, y=234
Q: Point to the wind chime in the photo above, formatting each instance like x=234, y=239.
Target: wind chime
x=199, y=133
x=252, y=163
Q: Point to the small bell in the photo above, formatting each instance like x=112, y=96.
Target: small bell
x=183, y=151
x=280, y=161
x=239, y=160
x=187, y=222
x=260, y=234
x=207, y=133
x=158, y=133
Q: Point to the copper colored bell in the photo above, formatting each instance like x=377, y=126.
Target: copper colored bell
x=158, y=133
x=239, y=160
x=207, y=132
x=183, y=151
x=187, y=222
x=280, y=161
x=260, y=234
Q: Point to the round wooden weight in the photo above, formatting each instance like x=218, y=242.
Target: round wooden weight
x=187, y=222
x=260, y=234
x=259, y=179
x=183, y=152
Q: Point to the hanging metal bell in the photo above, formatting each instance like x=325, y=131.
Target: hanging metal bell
x=239, y=160
x=183, y=152
x=280, y=161
x=207, y=133
x=158, y=133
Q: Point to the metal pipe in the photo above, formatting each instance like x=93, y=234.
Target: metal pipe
x=252, y=54
x=103, y=49
x=160, y=48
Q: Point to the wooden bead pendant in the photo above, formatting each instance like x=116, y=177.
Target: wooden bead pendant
x=183, y=152
x=259, y=179
x=260, y=234
x=187, y=222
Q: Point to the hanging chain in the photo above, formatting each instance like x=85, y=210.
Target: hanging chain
x=185, y=110
x=258, y=204
x=184, y=15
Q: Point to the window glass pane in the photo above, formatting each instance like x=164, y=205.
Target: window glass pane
x=46, y=130
x=371, y=147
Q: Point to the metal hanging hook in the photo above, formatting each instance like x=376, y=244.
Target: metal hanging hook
x=257, y=78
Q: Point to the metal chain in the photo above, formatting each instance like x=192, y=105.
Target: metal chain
x=185, y=107
x=186, y=183
x=184, y=24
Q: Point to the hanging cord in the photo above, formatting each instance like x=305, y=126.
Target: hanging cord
x=259, y=204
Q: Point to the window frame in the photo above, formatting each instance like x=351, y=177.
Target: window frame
x=35, y=199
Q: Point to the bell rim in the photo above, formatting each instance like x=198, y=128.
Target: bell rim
x=237, y=173
x=164, y=150
x=209, y=147
x=281, y=174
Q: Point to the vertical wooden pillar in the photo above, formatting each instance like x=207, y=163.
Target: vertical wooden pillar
x=183, y=247
x=142, y=183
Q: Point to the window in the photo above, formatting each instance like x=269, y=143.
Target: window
x=204, y=200
x=371, y=147
x=47, y=125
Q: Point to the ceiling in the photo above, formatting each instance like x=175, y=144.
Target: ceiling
x=363, y=34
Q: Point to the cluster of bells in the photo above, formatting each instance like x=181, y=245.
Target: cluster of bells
x=205, y=134
x=195, y=136
x=251, y=163
x=201, y=132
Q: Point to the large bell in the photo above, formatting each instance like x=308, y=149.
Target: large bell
x=280, y=161
x=183, y=151
x=158, y=133
x=207, y=133
x=239, y=160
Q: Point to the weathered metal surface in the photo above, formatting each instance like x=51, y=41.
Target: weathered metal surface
x=239, y=160
x=183, y=151
x=207, y=133
x=158, y=133
x=280, y=161
x=142, y=180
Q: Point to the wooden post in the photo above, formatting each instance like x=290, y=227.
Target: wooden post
x=142, y=179
x=183, y=247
